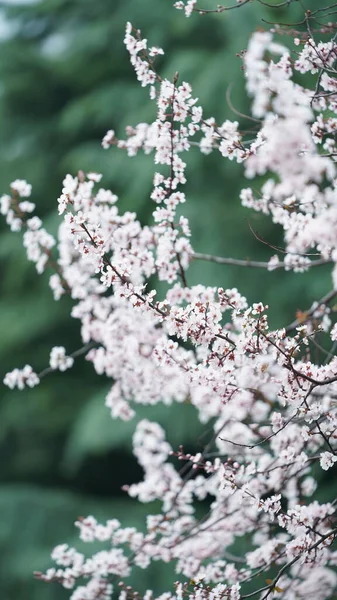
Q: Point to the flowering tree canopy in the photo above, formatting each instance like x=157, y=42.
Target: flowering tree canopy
x=270, y=395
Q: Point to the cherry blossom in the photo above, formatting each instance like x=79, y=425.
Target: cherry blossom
x=268, y=402
x=59, y=360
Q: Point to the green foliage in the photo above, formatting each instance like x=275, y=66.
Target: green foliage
x=94, y=433
x=33, y=521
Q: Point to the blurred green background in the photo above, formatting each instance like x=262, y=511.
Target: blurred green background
x=65, y=79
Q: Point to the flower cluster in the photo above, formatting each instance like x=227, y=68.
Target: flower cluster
x=270, y=403
x=59, y=360
x=21, y=378
x=37, y=241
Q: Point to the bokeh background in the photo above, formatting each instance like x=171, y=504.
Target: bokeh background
x=65, y=79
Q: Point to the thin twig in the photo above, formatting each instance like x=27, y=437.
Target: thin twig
x=258, y=264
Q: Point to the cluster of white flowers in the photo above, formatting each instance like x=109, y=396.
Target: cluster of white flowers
x=187, y=6
x=21, y=377
x=271, y=405
x=59, y=360
x=37, y=241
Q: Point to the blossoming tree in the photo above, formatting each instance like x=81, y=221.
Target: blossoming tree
x=271, y=405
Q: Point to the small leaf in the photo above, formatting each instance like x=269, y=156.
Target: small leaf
x=275, y=588
x=301, y=316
